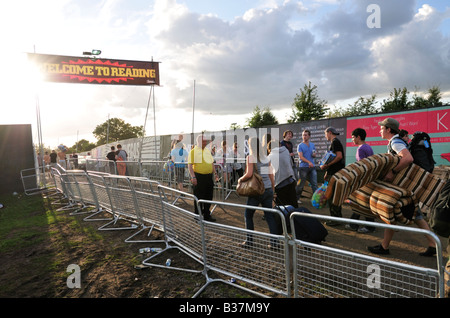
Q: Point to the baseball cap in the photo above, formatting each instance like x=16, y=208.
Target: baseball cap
x=390, y=123
x=333, y=130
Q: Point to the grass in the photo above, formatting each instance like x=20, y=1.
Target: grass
x=33, y=242
x=21, y=221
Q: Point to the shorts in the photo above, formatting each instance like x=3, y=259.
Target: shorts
x=179, y=174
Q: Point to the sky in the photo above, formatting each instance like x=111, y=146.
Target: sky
x=239, y=53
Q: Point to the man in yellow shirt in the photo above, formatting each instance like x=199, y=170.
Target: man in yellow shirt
x=201, y=169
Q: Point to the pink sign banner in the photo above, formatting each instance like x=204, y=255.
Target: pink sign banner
x=435, y=122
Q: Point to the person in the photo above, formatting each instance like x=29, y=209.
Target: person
x=404, y=135
x=46, y=158
x=258, y=162
x=389, y=130
x=287, y=136
x=306, y=154
x=121, y=158
x=39, y=159
x=363, y=151
x=238, y=171
x=266, y=138
x=201, y=170
x=179, y=157
x=47, y=161
x=53, y=157
x=62, y=158
x=111, y=156
x=75, y=160
x=222, y=154
x=284, y=174
x=332, y=167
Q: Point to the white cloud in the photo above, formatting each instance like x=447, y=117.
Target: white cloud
x=262, y=56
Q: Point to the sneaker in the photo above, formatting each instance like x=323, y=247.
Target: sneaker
x=378, y=249
x=430, y=251
x=363, y=229
x=333, y=223
x=351, y=227
x=210, y=219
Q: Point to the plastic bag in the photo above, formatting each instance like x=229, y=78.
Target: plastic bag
x=168, y=166
x=318, y=199
x=327, y=158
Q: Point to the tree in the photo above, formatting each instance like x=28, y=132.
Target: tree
x=398, y=100
x=235, y=126
x=117, y=130
x=82, y=145
x=362, y=106
x=307, y=105
x=261, y=117
x=433, y=99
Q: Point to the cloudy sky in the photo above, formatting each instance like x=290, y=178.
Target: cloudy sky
x=240, y=53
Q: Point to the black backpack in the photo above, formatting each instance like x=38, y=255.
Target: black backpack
x=440, y=212
x=421, y=151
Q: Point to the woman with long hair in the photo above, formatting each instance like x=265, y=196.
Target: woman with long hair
x=258, y=161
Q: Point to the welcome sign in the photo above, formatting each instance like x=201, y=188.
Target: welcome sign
x=71, y=69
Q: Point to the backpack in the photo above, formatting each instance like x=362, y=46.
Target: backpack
x=440, y=212
x=421, y=151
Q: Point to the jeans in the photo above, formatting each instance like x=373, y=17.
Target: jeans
x=266, y=202
x=310, y=174
x=204, y=190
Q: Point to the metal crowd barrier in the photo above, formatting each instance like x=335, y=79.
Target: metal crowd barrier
x=62, y=189
x=264, y=263
x=36, y=180
x=181, y=228
x=158, y=170
x=87, y=192
x=321, y=271
x=289, y=267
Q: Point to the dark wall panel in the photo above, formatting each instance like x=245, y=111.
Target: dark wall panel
x=16, y=154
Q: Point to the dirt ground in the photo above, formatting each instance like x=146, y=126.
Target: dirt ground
x=110, y=267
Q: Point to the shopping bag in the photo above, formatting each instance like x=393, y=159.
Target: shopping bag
x=318, y=199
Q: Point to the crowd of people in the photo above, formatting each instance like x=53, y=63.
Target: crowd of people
x=285, y=178
x=117, y=160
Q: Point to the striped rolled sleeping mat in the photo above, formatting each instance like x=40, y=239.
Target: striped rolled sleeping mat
x=395, y=202
x=356, y=175
x=383, y=200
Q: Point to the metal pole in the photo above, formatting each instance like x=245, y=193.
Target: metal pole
x=193, y=114
x=107, y=131
x=145, y=123
x=154, y=122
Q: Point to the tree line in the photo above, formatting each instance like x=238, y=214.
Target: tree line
x=307, y=106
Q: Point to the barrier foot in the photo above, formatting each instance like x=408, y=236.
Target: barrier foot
x=94, y=213
x=68, y=207
x=168, y=247
x=81, y=210
x=130, y=238
x=105, y=227
x=234, y=284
